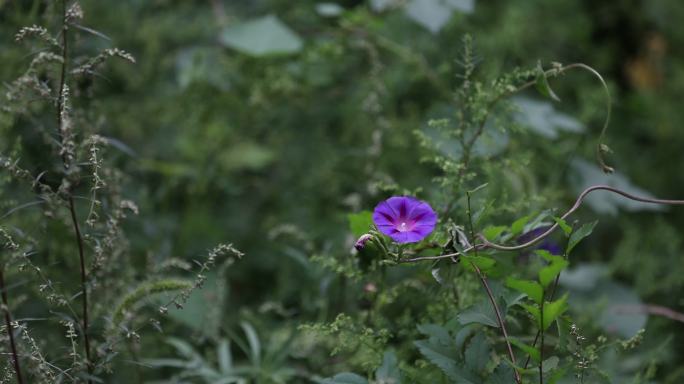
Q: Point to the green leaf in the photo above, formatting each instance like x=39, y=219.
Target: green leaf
x=224, y=357
x=502, y=374
x=542, y=84
x=477, y=353
x=360, y=223
x=492, y=233
x=554, y=309
x=543, y=119
x=518, y=225
x=254, y=343
x=345, y=378
x=556, y=264
x=577, y=236
x=433, y=15
x=246, y=156
x=535, y=312
x=263, y=36
x=481, y=313
x=442, y=355
x=389, y=371
x=532, y=289
x=329, y=9
x=528, y=349
x=567, y=229
x=482, y=262
x=550, y=364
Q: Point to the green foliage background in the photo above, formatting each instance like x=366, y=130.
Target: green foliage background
x=272, y=152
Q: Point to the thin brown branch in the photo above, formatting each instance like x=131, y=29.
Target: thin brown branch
x=499, y=319
x=651, y=309
x=8, y=324
x=61, y=104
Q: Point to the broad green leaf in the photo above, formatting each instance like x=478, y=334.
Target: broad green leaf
x=557, y=375
x=542, y=84
x=577, y=236
x=532, y=289
x=584, y=277
x=502, y=374
x=567, y=229
x=528, y=349
x=477, y=353
x=548, y=273
x=482, y=313
x=329, y=9
x=433, y=15
x=554, y=309
x=535, y=312
x=492, y=233
x=246, y=156
x=543, y=119
x=482, y=262
x=266, y=35
x=518, y=225
x=550, y=364
x=345, y=378
x=443, y=357
x=389, y=371
x=360, y=223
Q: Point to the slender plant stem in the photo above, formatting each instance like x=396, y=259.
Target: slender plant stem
x=84, y=279
x=483, y=279
x=541, y=343
x=8, y=323
x=499, y=319
x=61, y=102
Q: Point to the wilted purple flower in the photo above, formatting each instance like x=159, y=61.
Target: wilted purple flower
x=361, y=242
x=404, y=219
x=548, y=245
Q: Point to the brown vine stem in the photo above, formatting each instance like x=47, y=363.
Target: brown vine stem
x=61, y=102
x=486, y=244
x=8, y=323
x=492, y=299
x=499, y=319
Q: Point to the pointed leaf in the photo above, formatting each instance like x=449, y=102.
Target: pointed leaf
x=389, y=372
x=567, y=229
x=543, y=84
x=577, y=236
x=556, y=264
x=518, y=225
x=477, y=353
x=531, y=288
x=345, y=378
x=554, y=309
x=528, y=349
x=266, y=35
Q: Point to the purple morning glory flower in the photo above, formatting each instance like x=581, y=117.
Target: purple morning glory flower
x=405, y=219
x=548, y=245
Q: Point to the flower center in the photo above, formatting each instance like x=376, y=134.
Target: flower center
x=403, y=227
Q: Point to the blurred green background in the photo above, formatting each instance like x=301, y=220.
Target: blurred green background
x=264, y=123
